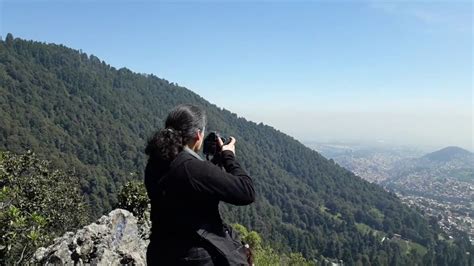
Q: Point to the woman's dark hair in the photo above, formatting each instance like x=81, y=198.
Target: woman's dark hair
x=181, y=126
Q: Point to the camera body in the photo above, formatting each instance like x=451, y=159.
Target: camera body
x=211, y=144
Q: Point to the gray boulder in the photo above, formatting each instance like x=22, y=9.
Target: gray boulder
x=114, y=239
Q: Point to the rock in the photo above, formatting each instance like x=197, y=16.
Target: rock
x=114, y=239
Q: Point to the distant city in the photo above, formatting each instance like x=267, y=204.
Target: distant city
x=440, y=184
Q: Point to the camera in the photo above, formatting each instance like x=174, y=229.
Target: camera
x=211, y=145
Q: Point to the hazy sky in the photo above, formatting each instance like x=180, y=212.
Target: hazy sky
x=396, y=71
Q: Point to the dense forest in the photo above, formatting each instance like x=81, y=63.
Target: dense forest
x=92, y=120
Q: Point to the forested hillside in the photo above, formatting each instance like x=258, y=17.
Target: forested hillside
x=93, y=119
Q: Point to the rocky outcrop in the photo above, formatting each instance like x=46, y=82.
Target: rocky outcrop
x=114, y=239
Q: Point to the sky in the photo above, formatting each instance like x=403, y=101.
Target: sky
x=398, y=72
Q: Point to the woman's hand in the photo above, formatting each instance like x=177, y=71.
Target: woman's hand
x=228, y=147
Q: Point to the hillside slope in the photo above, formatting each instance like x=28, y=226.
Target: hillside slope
x=448, y=154
x=94, y=119
x=450, y=163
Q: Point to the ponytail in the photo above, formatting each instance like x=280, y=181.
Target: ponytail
x=165, y=144
x=181, y=126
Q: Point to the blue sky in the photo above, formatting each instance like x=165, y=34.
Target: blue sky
x=393, y=71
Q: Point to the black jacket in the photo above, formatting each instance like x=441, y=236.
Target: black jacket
x=185, y=195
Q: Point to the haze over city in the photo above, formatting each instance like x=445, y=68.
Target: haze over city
x=375, y=71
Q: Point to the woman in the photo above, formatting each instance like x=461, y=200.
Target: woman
x=185, y=190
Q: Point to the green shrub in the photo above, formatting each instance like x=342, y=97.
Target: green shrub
x=264, y=254
x=133, y=198
x=37, y=203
